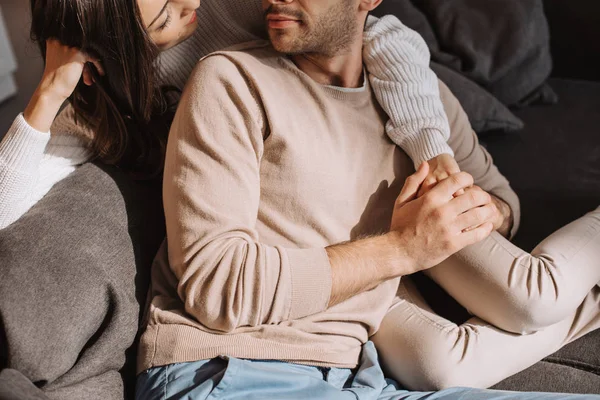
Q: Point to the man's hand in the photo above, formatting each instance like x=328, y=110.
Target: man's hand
x=431, y=228
x=440, y=168
x=424, y=232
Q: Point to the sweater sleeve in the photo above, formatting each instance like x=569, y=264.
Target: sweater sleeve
x=227, y=277
x=474, y=158
x=31, y=162
x=397, y=60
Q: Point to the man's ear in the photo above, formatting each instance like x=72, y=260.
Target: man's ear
x=369, y=5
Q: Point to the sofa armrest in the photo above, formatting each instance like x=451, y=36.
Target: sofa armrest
x=575, y=38
x=74, y=270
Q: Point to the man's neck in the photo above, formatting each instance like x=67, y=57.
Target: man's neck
x=342, y=70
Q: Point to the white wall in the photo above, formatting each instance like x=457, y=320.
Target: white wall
x=17, y=18
x=8, y=64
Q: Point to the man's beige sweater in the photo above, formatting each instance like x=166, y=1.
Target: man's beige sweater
x=265, y=168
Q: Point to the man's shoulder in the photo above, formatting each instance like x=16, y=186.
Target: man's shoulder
x=257, y=47
x=246, y=57
x=243, y=72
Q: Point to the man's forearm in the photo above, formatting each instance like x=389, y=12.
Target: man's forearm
x=364, y=264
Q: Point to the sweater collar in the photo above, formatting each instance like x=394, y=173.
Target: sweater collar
x=351, y=95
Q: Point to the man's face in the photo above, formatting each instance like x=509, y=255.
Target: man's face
x=325, y=27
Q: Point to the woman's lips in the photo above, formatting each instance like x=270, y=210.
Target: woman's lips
x=193, y=18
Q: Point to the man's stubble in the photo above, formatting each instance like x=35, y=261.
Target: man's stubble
x=331, y=34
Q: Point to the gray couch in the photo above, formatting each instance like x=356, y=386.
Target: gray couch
x=90, y=242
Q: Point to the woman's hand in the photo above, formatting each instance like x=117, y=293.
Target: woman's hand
x=440, y=168
x=65, y=66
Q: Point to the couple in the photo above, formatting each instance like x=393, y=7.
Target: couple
x=309, y=295
x=291, y=218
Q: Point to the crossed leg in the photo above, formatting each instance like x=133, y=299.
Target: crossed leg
x=552, y=292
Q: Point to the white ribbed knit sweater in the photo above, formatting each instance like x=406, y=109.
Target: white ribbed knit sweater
x=397, y=60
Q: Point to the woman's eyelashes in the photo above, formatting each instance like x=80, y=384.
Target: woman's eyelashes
x=167, y=21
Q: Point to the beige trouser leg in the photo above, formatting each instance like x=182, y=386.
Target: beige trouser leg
x=554, y=289
x=520, y=292
x=426, y=352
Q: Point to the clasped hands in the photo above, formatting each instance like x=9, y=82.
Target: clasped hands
x=444, y=166
x=440, y=211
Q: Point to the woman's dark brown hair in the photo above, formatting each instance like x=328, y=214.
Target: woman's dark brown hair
x=126, y=108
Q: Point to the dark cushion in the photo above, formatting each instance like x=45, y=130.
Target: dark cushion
x=503, y=45
x=555, y=375
x=485, y=112
x=492, y=54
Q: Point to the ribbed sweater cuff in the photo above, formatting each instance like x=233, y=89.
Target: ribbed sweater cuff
x=423, y=146
x=23, y=145
x=311, y=281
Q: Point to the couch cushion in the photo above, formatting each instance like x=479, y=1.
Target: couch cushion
x=503, y=45
x=554, y=375
x=554, y=163
x=488, y=53
x=573, y=369
x=485, y=112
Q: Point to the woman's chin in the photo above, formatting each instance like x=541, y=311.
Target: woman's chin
x=189, y=32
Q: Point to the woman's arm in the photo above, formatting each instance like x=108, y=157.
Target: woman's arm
x=474, y=159
x=397, y=60
x=31, y=159
x=31, y=162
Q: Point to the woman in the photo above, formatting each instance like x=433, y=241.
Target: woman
x=36, y=160
x=119, y=112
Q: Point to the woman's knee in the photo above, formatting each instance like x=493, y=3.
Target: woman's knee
x=539, y=298
x=533, y=317
x=426, y=360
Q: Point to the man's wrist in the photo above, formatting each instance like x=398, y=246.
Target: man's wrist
x=364, y=264
x=400, y=263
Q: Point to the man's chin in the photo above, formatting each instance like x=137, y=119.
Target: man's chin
x=283, y=43
x=286, y=48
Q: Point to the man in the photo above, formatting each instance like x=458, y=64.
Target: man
x=289, y=222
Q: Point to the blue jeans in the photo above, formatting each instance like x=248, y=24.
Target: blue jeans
x=237, y=379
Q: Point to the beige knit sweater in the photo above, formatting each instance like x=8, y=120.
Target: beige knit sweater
x=265, y=168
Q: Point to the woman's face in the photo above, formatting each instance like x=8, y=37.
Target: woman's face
x=169, y=22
